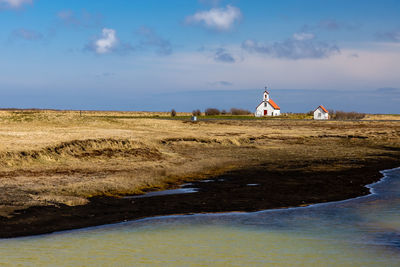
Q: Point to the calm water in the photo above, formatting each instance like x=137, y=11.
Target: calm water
x=359, y=232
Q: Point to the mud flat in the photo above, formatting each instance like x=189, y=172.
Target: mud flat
x=241, y=190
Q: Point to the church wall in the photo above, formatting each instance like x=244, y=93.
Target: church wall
x=271, y=111
x=319, y=114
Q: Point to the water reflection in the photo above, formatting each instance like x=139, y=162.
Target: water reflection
x=184, y=189
x=359, y=232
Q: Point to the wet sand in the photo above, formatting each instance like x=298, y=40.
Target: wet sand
x=243, y=190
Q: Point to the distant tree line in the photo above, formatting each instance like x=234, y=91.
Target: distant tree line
x=196, y=112
x=215, y=111
x=343, y=115
x=333, y=114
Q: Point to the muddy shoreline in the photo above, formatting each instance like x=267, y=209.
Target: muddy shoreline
x=245, y=190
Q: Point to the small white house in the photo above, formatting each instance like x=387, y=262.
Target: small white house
x=321, y=113
x=267, y=107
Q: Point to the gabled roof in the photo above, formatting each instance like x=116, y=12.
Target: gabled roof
x=322, y=107
x=273, y=104
x=262, y=102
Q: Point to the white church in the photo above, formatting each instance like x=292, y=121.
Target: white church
x=267, y=107
x=321, y=113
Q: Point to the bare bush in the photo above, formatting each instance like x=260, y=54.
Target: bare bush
x=173, y=113
x=196, y=112
x=212, y=111
x=342, y=115
x=224, y=112
x=238, y=111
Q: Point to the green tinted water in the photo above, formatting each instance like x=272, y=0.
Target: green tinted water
x=359, y=232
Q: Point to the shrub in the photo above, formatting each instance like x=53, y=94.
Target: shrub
x=212, y=111
x=173, y=113
x=224, y=112
x=196, y=112
x=238, y=111
x=342, y=115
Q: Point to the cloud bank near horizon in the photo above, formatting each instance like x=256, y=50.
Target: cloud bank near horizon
x=378, y=101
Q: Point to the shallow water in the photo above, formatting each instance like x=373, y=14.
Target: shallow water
x=186, y=190
x=358, y=232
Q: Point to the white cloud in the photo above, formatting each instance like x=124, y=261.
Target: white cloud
x=14, y=3
x=107, y=42
x=221, y=19
x=303, y=36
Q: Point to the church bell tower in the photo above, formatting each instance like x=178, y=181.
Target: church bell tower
x=266, y=95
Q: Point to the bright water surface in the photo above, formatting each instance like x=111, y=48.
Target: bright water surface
x=359, y=232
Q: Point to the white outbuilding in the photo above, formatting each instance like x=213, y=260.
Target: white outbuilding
x=267, y=107
x=321, y=113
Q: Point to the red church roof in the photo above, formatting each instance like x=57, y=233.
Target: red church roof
x=273, y=104
x=324, y=109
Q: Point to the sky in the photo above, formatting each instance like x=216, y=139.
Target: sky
x=188, y=54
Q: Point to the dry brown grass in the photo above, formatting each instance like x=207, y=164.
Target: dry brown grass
x=382, y=117
x=52, y=157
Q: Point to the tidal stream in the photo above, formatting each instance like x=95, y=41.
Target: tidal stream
x=359, y=232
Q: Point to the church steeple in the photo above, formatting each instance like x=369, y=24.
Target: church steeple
x=266, y=95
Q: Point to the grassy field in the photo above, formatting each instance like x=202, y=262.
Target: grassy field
x=52, y=157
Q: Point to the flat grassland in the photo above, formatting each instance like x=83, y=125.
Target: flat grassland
x=65, y=157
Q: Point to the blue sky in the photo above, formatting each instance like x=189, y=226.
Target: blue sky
x=125, y=54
